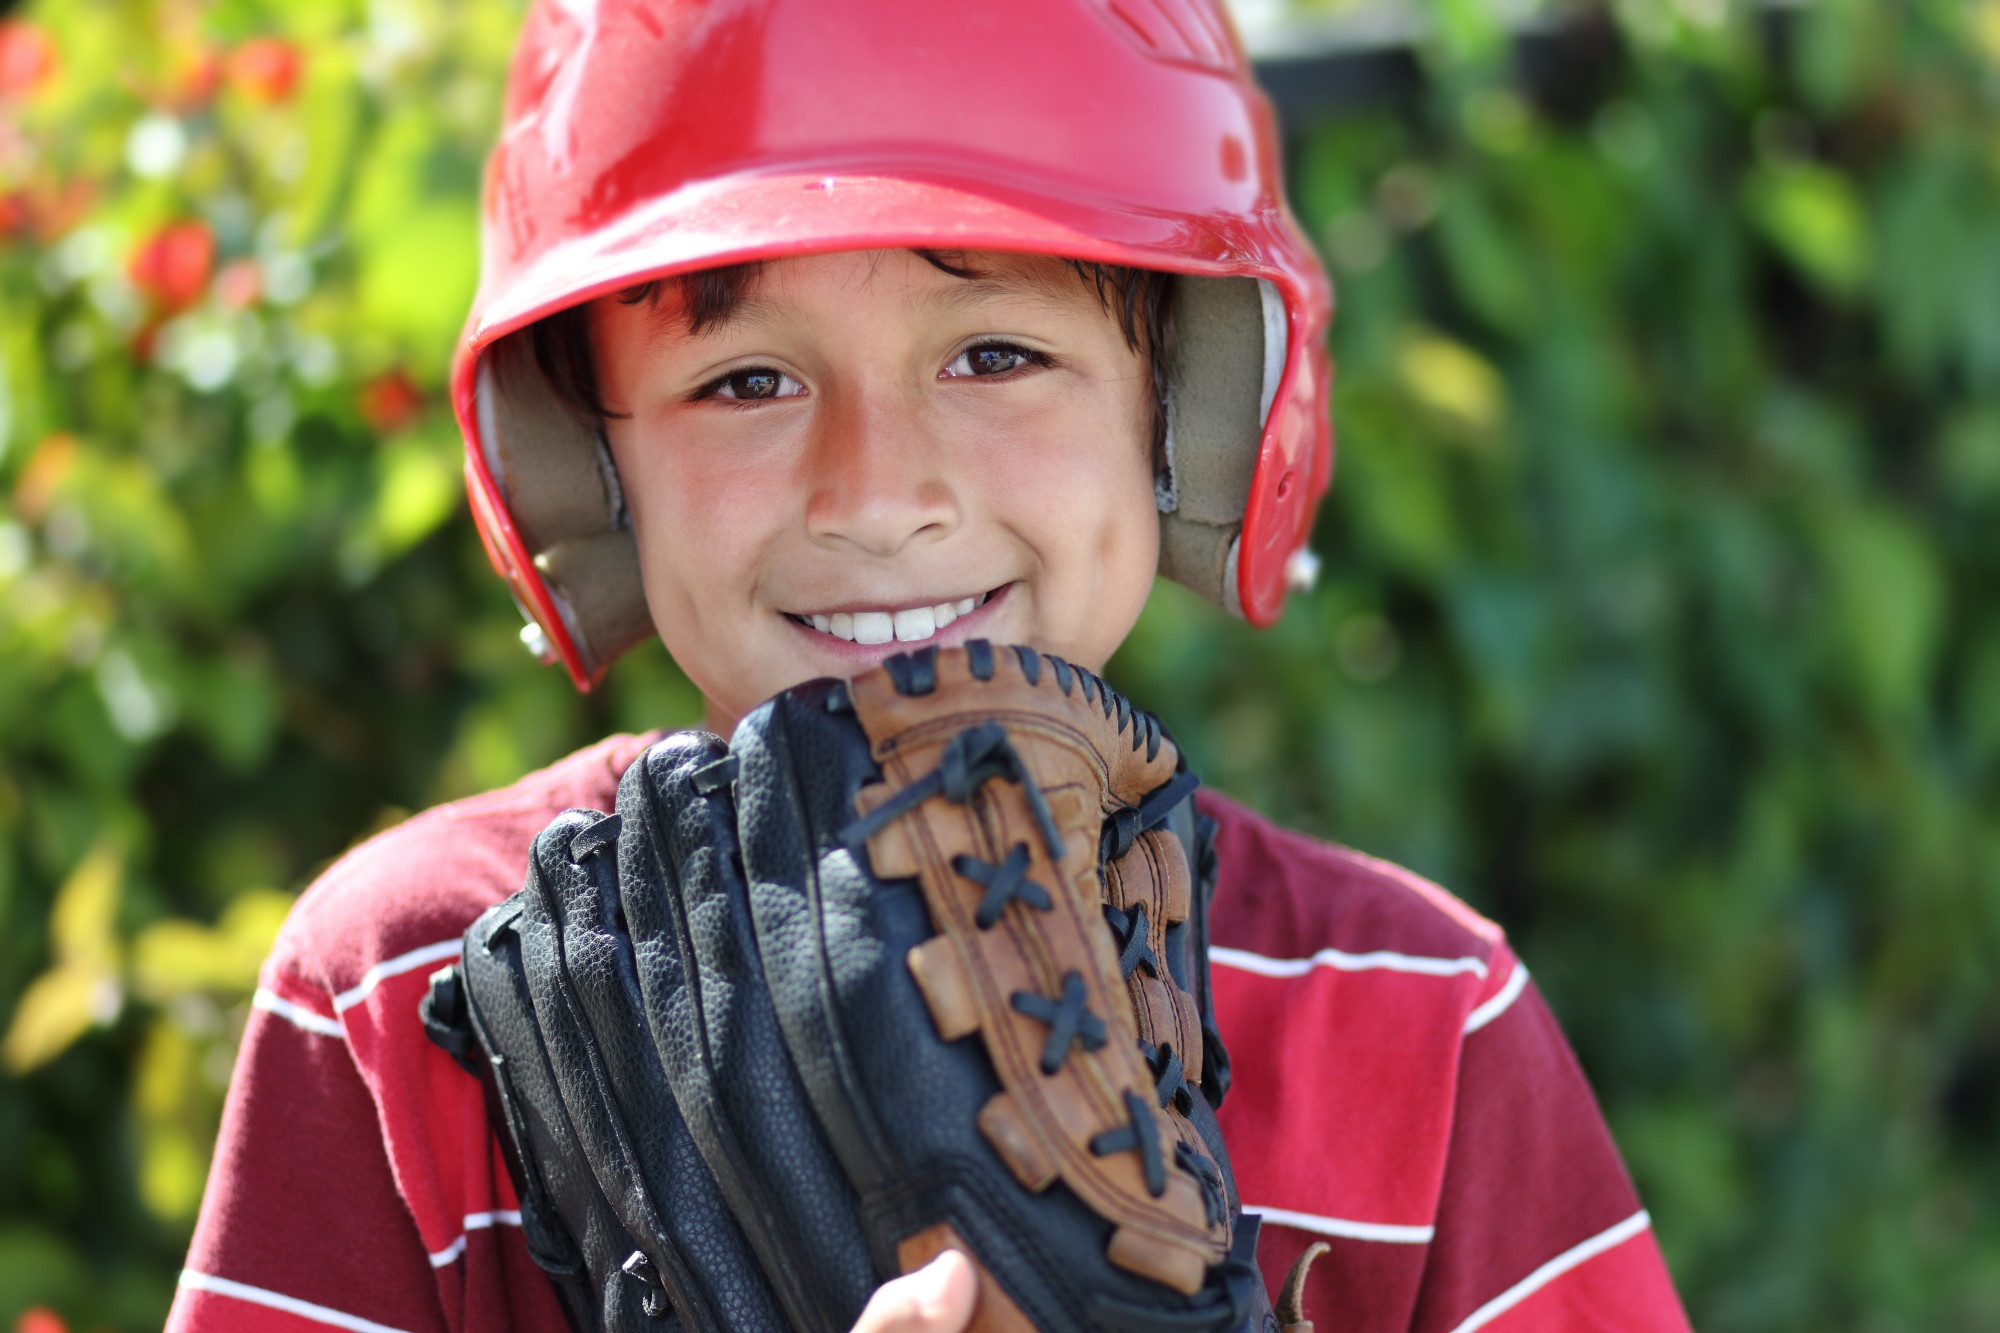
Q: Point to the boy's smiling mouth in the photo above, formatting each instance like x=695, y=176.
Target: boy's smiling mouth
x=911, y=624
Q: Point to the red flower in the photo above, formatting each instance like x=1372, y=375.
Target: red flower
x=172, y=265
x=389, y=402
x=27, y=58
x=265, y=69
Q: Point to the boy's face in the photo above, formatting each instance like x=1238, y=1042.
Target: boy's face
x=868, y=454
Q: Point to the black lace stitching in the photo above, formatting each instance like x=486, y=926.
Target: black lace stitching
x=1141, y=1134
x=1170, y=1083
x=1003, y=882
x=970, y=759
x=1131, y=929
x=1069, y=1019
x=1210, y=1180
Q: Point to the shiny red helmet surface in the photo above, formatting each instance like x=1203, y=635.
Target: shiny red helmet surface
x=648, y=137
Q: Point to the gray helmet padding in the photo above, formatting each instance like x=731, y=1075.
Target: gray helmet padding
x=555, y=472
x=559, y=484
x=1228, y=353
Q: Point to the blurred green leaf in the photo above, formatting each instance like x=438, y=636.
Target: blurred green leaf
x=1814, y=217
x=1890, y=595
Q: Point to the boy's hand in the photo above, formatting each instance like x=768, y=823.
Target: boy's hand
x=936, y=1298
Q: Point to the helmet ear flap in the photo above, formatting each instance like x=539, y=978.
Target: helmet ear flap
x=556, y=479
x=1228, y=355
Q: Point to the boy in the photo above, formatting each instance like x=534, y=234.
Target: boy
x=812, y=328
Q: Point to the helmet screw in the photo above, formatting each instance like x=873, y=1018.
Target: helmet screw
x=1301, y=570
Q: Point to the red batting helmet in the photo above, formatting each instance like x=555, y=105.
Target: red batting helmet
x=644, y=138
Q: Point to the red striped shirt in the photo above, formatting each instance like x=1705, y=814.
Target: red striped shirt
x=1401, y=1092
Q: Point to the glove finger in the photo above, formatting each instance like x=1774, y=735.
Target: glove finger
x=565, y=1219
x=645, y=1156
x=715, y=1029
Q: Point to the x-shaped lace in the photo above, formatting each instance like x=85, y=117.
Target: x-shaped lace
x=1141, y=1134
x=1130, y=929
x=1210, y=1180
x=968, y=761
x=1170, y=1083
x=1069, y=1019
x=1004, y=882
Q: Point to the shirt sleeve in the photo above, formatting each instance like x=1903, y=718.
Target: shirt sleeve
x=302, y=1227
x=1538, y=1225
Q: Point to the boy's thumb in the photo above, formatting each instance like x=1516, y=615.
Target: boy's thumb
x=936, y=1298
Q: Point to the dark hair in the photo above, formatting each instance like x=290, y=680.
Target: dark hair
x=1137, y=298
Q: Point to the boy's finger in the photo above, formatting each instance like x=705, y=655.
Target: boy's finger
x=937, y=1298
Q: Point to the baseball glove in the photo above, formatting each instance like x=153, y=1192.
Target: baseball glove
x=916, y=963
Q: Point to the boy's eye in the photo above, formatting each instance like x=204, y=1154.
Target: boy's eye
x=754, y=383
x=992, y=359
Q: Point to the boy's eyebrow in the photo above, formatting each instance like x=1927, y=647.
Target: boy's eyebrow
x=737, y=310
x=975, y=287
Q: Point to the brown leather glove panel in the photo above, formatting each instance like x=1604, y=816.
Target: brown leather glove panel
x=1024, y=955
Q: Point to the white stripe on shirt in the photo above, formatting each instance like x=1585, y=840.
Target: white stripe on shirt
x=475, y=1222
x=396, y=966
x=1344, y=1227
x=298, y=1015
x=1553, y=1269
x=271, y=1300
x=1380, y=959
x=1497, y=1006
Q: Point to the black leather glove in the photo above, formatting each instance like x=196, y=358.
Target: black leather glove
x=916, y=963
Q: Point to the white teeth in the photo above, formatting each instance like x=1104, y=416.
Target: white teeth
x=915, y=624
x=911, y=626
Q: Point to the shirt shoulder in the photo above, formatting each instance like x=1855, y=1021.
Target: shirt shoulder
x=1284, y=895
x=417, y=886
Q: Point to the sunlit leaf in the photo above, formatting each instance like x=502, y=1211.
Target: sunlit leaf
x=82, y=923
x=58, y=1007
x=173, y=1167
x=1814, y=217
x=420, y=488
x=1453, y=381
x=177, y=957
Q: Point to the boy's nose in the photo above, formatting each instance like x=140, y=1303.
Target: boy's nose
x=879, y=479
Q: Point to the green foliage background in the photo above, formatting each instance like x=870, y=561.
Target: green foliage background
x=1659, y=618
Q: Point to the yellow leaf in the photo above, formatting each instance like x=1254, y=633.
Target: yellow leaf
x=1453, y=381
x=172, y=1170
x=81, y=924
x=175, y=957
x=1985, y=24
x=252, y=920
x=166, y=1072
x=58, y=1007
